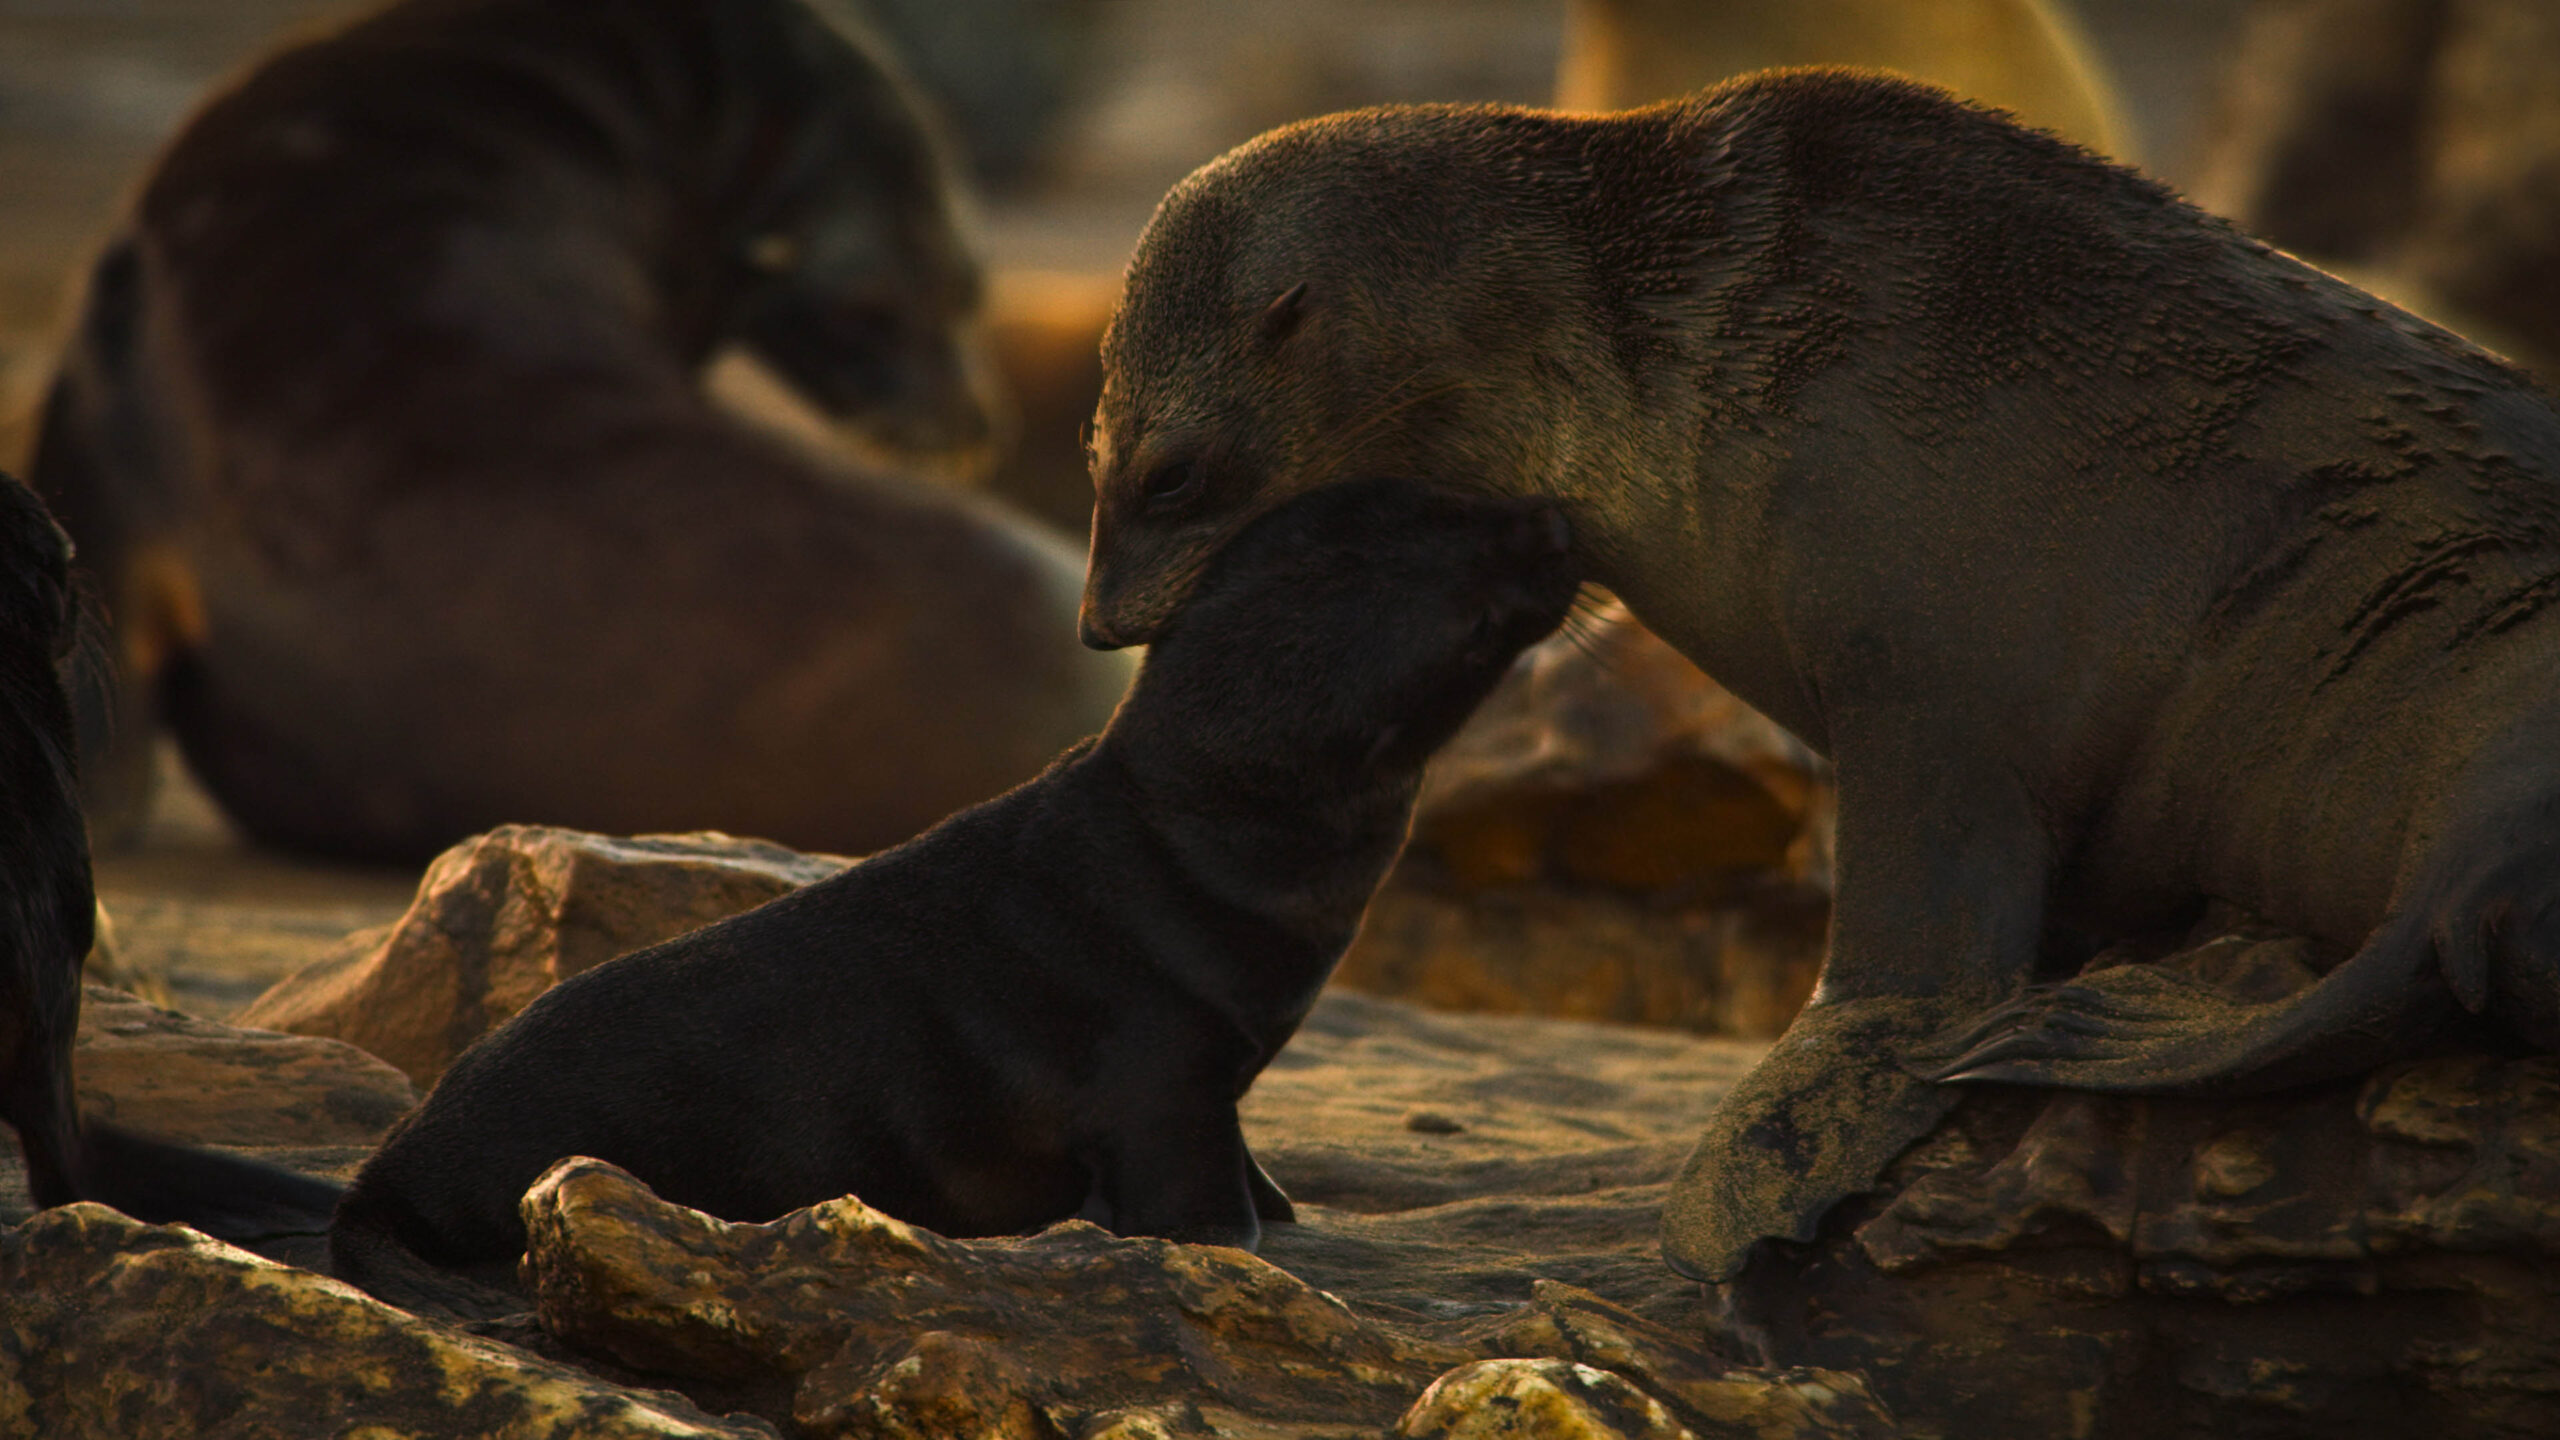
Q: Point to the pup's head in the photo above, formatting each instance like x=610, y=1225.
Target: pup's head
x=1349, y=632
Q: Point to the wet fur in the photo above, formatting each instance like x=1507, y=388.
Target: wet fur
x=1049, y=1004
x=384, y=436
x=2117, y=561
x=46, y=919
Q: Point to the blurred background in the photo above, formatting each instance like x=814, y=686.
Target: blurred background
x=1077, y=113
x=1617, y=839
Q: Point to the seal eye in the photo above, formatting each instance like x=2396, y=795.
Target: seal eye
x=1171, y=485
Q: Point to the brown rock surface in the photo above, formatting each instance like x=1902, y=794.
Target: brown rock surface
x=191, y=1079
x=2378, y=1257
x=871, y=1327
x=503, y=916
x=121, y=1331
x=1613, y=837
x=314, y=1104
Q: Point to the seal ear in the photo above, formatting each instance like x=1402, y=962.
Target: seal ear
x=1282, y=315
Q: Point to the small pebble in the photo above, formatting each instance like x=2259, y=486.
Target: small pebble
x=1431, y=1122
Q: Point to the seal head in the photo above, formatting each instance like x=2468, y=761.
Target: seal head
x=1355, y=295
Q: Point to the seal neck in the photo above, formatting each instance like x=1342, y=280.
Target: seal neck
x=1263, y=886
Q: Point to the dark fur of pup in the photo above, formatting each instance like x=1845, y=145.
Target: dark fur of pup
x=46, y=919
x=1049, y=1004
x=384, y=438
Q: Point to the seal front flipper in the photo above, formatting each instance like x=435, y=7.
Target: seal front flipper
x=2145, y=1029
x=1952, y=865
x=1802, y=1132
x=1183, y=1177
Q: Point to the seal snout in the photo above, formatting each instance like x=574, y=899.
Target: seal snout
x=1096, y=634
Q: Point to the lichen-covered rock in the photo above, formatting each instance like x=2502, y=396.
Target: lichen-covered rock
x=114, y=1330
x=175, y=1075
x=850, y=1323
x=1709, y=1395
x=504, y=916
x=1537, y=1400
x=2373, y=1258
x=839, y=1298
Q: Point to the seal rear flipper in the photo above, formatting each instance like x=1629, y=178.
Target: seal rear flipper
x=230, y=1197
x=2142, y=1029
x=1801, y=1133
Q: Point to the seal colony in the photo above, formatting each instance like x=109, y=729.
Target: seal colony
x=384, y=437
x=2118, y=562
x=1048, y=1005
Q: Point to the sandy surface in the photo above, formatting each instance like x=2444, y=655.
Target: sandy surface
x=205, y=923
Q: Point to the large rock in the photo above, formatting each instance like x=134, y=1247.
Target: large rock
x=504, y=916
x=115, y=1330
x=2379, y=1257
x=190, y=1079
x=1613, y=837
x=874, y=1328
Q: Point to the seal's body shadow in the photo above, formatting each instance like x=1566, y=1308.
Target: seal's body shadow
x=2118, y=562
x=385, y=440
x=1049, y=1004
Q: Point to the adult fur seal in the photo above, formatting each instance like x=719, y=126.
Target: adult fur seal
x=1052, y=1000
x=46, y=927
x=2116, y=561
x=384, y=435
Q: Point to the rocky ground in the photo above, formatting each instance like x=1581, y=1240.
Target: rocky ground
x=1473, y=1189
x=1475, y=1257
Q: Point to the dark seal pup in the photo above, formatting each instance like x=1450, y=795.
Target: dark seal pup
x=46, y=918
x=385, y=437
x=1049, y=1004
x=2118, y=562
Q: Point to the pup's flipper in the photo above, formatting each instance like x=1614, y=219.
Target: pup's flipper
x=1814, y=1123
x=1271, y=1203
x=230, y=1197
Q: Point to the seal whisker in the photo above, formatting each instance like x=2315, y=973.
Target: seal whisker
x=1337, y=448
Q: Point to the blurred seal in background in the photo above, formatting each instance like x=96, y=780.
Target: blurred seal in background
x=384, y=438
